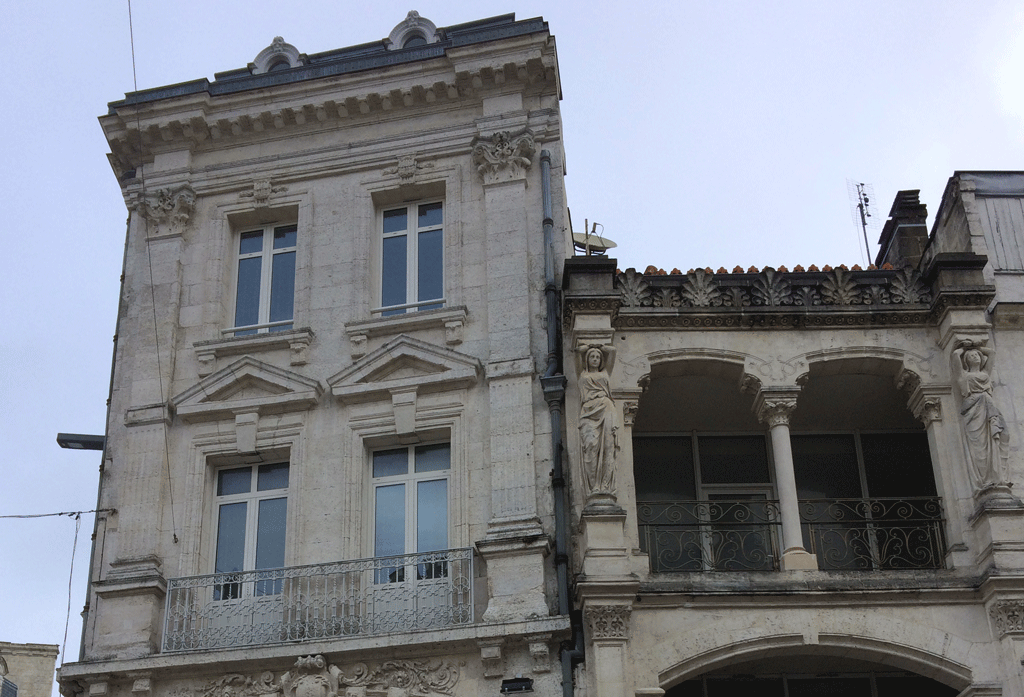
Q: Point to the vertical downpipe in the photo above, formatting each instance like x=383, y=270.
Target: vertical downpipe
x=553, y=383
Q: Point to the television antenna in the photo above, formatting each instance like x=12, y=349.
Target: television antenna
x=589, y=242
x=862, y=204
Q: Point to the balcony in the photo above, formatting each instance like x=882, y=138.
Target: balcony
x=362, y=597
x=743, y=535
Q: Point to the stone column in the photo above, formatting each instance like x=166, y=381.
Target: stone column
x=774, y=408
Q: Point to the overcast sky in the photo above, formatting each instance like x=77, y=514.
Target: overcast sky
x=697, y=133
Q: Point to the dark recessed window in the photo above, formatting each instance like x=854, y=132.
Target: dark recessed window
x=279, y=65
x=415, y=40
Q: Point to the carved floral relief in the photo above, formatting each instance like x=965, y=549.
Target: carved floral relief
x=505, y=156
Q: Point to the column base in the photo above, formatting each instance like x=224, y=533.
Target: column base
x=799, y=560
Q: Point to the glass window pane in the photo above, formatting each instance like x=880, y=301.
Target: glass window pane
x=388, y=463
x=389, y=521
x=394, y=270
x=250, y=242
x=663, y=468
x=285, y=237
x=897, y=464
x=430, y=266
x=247, y=296
x=433, y=458
x=395, y=221
x=234, y=481
x=282, y=287
x=432, y=516
x=270, y=528
x=733, y=459
x=230, y=537
x=430, y=214
x=826, y=467
x=272, y=477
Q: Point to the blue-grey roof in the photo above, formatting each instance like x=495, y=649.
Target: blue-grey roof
x=345, y=60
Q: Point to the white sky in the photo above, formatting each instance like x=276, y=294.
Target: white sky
x=697, y=133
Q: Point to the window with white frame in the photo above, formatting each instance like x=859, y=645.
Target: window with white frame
x=410, y=509
x=412, y=258
x=252, y=508
x=265, y=280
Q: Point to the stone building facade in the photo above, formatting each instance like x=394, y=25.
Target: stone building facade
x=27, y=669
x=374, y=431
x=799, y=481
x=328, y=454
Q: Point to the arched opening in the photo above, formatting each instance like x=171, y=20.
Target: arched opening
x=705, y=473
x=810, y=676
x=415, y=40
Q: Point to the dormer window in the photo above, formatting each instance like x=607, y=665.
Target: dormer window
x=412, y=31
x=277, y=56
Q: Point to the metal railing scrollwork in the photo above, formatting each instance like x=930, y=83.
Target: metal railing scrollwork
x=319, y=601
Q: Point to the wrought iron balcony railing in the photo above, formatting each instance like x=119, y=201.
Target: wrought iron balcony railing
x=873, y=534
x=743, y=535
x=361, y=597
x=710, y=535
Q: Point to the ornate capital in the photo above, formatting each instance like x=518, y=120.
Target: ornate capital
x=504, y=156
x=1008, y=616
x=775, y=411
x=166, y=210
x=928, y=410
x=609, y=621
x=629, y=410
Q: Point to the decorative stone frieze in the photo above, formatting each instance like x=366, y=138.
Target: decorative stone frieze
x=609, y=621
x=504, y=156
x=1008, y=616
x=313, y=676
x=166, y=211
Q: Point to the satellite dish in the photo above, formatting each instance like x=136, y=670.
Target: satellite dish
x=595, y=243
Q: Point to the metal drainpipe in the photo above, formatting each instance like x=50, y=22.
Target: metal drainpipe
x=553, y=383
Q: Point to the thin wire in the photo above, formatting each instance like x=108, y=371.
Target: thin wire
x=152, y=286
x=69, y=514
x=71, y=575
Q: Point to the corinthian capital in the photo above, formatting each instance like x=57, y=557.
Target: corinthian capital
x=166, y=211
x=773, y=408
x=504, y=156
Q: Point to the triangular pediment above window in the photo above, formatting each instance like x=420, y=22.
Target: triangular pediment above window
x=401, y=364
x=246, y=385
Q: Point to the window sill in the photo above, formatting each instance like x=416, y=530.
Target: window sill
x=296, y=340
x=451, y=319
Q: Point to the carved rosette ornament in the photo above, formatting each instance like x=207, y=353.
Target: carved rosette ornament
x=313, y=676
x=609, y=621
x=166, y=211
x=1008, y=616
x=504, y=156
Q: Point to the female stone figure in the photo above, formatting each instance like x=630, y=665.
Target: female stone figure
x=987, y=440
x=599, y=423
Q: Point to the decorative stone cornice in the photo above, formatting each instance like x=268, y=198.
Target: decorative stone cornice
x=166, y=211
x=609, y=621
x=1008, y=616
x=504, y=156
